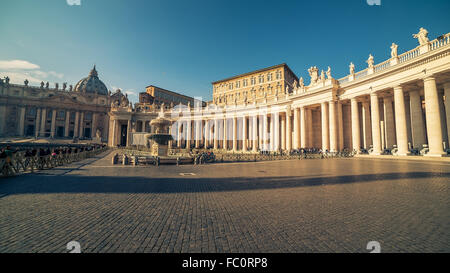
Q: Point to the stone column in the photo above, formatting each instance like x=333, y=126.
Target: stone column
x=3, y=120
x=271, y=138
x=179, y=126
x=234, y=134
x=188, y=134
x=76, y=126
x=225, y=133
x=113, y=135
x=53, y=126
x=207, y=134
x=367, y=127
x=276, y=131
x=283, y=133
x=356, y=138
x=325, y=125
x=447, y=107
x=198, y=124
x=244, y=133
x=94, y=125
x=376, y=134
x=264, y=133
x=296, y=139
x=21, y=126
x=389, y=122
x=303, y=128
x=81, y=131
x=67, y=124
x=288, y=131
x=43, y=121
x=128, y=131
x=309, y=128
x=433, y=117
x=216, y=134
x=400, y=121
x=333, y=127
x=144, y=126
x=255, y=133
x=340, y=126
x=37, y=122
x=443, y=119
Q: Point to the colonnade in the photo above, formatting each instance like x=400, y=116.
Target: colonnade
x=386, y=119
x=44, y=126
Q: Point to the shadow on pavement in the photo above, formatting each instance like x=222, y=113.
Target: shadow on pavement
x=34, y=184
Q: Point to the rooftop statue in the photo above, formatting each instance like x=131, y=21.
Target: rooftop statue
x=394, y=48
x=7, y=80
x=329, y=73
x=422, y=36
x=370, y=61
x=352, y=69
x=70, y=88
x=26, y=82
x=322, y=76
x=314, y=74
x=47, y=85
x=302, y=84
x=56, y=86
x=295, y=85
x=64, y=86
x=42, y=85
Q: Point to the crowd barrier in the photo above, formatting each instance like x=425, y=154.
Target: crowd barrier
x=23, y=161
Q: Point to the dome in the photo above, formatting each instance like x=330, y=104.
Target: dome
x=91, y=84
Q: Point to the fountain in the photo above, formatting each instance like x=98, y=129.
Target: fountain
x=159, y=140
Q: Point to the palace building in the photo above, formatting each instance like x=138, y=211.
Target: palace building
x=400, y=105
x=257, y=86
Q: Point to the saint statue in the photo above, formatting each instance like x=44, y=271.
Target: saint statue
x=98, y=134
x=295, y=85
x=56, y=86
x=422, y=36
x=352, y=69
x=47, y=84
x=70, y=88
x=394, y=50
x=370, y=61
x=322, y=76
x=7, y=80
x=26, y=82
x=314, y=74
x=329, y=73
x=302, y=84
x=42, y=85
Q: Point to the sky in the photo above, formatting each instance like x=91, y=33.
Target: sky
x=185, y=45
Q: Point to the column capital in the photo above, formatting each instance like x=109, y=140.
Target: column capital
x=429, y=78
x=398, y=87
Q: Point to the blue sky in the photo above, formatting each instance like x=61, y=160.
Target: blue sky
x=185, y=45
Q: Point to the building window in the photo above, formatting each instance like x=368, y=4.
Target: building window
x=231, y=86
x=61, y=114
x=253, y=81
x=278, y=75
x=238, y=84
x=261, y=79
x=245, y=83
x=269, y=77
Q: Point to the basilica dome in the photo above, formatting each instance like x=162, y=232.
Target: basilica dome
x=91, y=84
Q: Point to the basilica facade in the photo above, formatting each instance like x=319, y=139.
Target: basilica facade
x=400, y=104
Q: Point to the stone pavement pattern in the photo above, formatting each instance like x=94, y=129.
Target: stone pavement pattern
x=334, y=205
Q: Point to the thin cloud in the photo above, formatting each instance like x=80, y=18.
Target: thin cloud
x=18, y=64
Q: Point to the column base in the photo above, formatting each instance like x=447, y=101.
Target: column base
x=435, y=155
x=375, y=153
x=403, y=154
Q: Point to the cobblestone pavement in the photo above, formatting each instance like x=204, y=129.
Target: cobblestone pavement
x=332, y=205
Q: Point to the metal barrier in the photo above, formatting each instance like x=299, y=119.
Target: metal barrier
x=21, y=162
